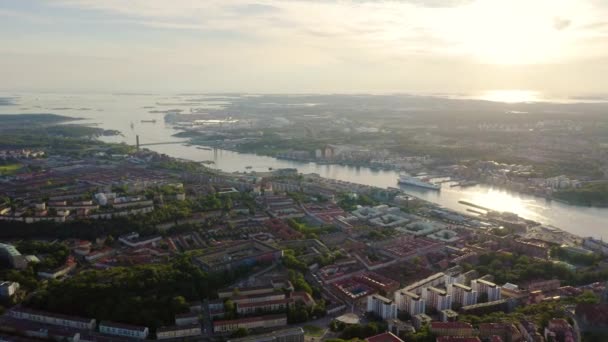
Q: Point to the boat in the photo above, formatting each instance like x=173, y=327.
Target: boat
x=204, y=148
x=150, y=121
x=409, y=180
x=248, y=167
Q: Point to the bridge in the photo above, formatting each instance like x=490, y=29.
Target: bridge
x=163, y=143
x=156, y=143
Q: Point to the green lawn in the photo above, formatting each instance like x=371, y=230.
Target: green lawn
x=313, y=331
x=9, y=169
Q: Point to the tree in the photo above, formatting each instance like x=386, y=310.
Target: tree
x=240, y=332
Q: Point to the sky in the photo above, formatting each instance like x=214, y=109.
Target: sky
x=298, y=46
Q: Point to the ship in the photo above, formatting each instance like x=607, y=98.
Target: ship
x=409, y=180
x=150, y=121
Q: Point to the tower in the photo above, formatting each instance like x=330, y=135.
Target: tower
x=137, y=141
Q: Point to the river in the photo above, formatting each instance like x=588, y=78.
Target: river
x=119, y=111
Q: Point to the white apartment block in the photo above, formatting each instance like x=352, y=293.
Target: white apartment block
x=483, y=286
x=437, y=298
x=126, y=330
x=52, y=318
x=462, y=294
x=410, y=302
x=381, y=306
x=178, y=331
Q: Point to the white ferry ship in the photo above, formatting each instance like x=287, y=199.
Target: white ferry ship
x=409, y=180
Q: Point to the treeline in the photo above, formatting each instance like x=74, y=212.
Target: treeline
x=576, y=258
x=592, y=194
x=90, y=229
x=521, y=269
x=149, y=295
x=55, y=254
x=357, y=331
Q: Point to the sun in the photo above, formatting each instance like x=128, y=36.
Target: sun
x=509, y=33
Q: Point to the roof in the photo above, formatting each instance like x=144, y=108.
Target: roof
x=122, y=326
x=51, y=314
x=264, y=303
x=249, y=319
x=178, y=328
x=594, y=314
x=457, y=339
x=451, y=325
x=486, y=282
x=10, y=249
x=382, y=299
x=384, y=337
x=186, y=315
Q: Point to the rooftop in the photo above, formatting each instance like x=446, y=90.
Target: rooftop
x=384, y=337
x=122, y=326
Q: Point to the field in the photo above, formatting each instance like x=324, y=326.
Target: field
x=9, y=169
x=314, y=331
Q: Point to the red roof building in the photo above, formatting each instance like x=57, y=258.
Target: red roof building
x=384, y=337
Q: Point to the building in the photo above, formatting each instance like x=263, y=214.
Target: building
x=595, y=245
x=437, y=299
x=544, y=285
x=286, y=335
x=248, y=308
x=529, y=331
x=531, y=247
x=457, y=339
x=484, y=287
x=486, y=308
x=384, y=337
x=448, y=315
x=506, y=331
x=164, y=333
x=245, y=291
x=421, y=320
x=381, y=306
x=434, y=280
x=70, y=264
x=125, y=330
x=410, y=302
x=398, y=327
x=592, y=317
x=270, y=321
x=237, y=254
x=8, y=288
x=452, y=329
x=187, y=318
x=20, y=312
x=134, y=240
x=12, y=257
x=462, y=294
x=559, y=330
x=258, y=298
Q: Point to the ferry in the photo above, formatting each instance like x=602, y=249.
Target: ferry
x=409, y=180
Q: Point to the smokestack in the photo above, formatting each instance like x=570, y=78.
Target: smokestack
x=137, y=141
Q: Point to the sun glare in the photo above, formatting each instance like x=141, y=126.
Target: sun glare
x=509, y=33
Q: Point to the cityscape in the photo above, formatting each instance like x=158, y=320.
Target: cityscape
x=212, y=171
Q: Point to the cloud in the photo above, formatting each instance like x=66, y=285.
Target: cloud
x=254, y=8
x=439, y=3
x=561, y=23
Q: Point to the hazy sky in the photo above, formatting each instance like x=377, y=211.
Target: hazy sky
x=556, y=46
